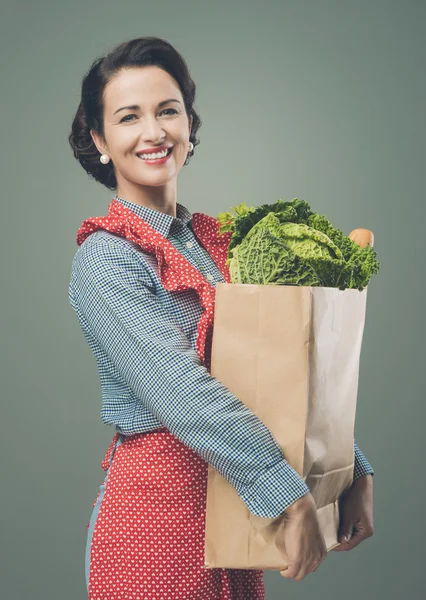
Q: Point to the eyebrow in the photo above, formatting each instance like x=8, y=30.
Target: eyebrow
x=137, y=107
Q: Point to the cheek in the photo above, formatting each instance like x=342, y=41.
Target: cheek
x=125, y=141
x=180, y=154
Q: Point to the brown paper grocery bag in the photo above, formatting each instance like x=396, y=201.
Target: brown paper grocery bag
x=291, y=354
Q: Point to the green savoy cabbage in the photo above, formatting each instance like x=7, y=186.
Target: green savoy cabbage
x=286, y=243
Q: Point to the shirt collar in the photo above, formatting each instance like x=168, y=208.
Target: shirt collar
x=158, y=220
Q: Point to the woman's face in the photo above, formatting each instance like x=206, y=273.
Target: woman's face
x=128, y=131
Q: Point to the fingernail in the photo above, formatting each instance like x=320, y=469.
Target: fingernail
x=345, y=538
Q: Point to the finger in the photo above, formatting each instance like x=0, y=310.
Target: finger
x=345, y=532
x=338, y=548
x=291, y=571
x=344, y=538
x=341, y=547
x=300, y=574
x=317, y=566
x=355, y=540
x=304, y=571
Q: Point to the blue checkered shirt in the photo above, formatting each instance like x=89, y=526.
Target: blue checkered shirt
x=144, y=341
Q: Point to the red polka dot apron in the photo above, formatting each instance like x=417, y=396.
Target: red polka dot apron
x=146, y=532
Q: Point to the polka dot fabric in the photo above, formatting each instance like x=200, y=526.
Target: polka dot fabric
x=148, y=541
x=176, y=273
x=148, y=529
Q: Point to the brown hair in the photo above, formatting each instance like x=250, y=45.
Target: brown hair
x=134, y=53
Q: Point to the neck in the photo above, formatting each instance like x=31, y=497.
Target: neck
x=160, y=198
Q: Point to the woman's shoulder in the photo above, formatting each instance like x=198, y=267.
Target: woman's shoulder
x=103, y=238
x=103, y=241
x=102, y=248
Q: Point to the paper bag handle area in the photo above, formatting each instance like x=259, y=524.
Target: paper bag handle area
x=362, y=237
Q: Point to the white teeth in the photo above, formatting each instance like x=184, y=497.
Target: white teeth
x=154, y=155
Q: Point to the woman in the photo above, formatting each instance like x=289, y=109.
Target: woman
x=142, y=284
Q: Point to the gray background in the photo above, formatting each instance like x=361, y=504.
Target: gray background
x=321, y=100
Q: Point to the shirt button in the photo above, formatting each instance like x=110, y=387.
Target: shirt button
x=189, y=244
x=210, y=277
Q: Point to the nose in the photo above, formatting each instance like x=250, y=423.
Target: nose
x=152, y=130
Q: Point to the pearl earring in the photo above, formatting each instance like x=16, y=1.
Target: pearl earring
x=191, y=146
x=104, y=159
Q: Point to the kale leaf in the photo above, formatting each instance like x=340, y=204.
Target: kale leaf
x=286, y=243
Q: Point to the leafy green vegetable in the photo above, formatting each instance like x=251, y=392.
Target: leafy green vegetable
x=295, y=211
x=286, y=243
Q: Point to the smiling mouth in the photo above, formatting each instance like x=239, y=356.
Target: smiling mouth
x=169, y=151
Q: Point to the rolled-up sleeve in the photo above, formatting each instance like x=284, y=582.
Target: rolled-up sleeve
x=154, y=356
x=362, y=466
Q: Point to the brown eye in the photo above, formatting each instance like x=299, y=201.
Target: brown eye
x=123, y=119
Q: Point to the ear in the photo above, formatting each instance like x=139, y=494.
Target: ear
x=190, y=123
x=99, y=143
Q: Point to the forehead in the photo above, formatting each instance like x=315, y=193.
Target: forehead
x=145, y=86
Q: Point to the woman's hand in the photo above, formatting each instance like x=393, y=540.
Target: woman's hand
x=302, y=539
x=356, y=513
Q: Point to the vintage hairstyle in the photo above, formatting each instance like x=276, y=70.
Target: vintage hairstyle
x=134, y=53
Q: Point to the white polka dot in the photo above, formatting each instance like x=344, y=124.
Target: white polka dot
x=148, y=540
